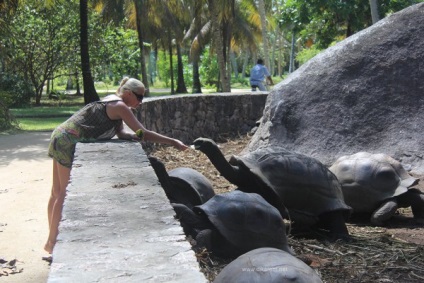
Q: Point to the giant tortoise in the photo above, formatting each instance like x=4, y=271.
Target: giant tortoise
x=310, y=192
x=232, y=223
x=183, y=185
x=377, y=184
x=267, y=265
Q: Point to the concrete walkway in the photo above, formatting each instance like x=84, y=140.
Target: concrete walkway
x=118, y=225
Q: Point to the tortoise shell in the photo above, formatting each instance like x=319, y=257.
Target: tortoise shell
x=303, y=183
x=267, y=265
x=245, y=220
x=183, y=185
x=369, y=179
x=195, y=187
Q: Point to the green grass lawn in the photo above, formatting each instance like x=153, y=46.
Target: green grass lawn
x=45, y=111
x=40, y=124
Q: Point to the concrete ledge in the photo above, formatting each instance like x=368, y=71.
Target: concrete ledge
x=118, y=225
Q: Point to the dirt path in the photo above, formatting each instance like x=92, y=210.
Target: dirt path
x=25, y=174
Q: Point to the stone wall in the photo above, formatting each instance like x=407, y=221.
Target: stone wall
x=190, y=116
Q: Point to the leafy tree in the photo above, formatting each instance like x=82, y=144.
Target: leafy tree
x=43, y=41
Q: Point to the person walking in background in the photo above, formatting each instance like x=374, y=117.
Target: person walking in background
x=99, y=120
x=258, y=74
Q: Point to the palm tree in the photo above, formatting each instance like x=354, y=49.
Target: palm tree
x=221, y=15
x=137, y=12
x=199, y=36
x=261, y=9
x=176, y=16
x=90, y=93
x=140, y=11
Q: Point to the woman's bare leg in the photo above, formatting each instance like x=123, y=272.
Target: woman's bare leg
x=54, y=209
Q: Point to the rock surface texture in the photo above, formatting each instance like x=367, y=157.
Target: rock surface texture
x=365, y=93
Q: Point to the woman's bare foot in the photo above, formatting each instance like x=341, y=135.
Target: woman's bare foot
x=48, y=247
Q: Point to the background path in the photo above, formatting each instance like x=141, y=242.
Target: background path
x=25, y=184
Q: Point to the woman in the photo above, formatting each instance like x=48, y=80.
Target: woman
x=96, y=121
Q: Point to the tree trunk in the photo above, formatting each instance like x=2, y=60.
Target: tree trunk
x=78, y=84
x=292, y=52
x=181, y=87
x=261, y=9
x=195, y=58
x=245, y=62
x=374, y=11
x=90, y=93
x=272, y=60
x=171, y=65
x=224, y=80
x=280, y=54
x=197, y=86
x=144, y=78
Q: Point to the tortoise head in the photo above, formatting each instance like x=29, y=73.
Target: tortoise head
x=212, y=151
x=205, y=145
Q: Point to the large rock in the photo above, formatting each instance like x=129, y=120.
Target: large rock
x=366, y=93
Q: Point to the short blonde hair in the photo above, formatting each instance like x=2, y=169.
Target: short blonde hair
x=131, y=84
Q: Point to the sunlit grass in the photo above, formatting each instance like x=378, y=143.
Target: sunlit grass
x=40, y=124
x=45, y=111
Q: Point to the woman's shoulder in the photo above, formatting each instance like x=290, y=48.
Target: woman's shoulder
x=111, y=97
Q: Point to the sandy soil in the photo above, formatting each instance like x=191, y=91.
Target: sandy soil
x=25, y=174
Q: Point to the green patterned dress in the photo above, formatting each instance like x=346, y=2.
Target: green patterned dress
x=89, y=124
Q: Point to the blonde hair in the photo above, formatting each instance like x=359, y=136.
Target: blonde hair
x=131, y=84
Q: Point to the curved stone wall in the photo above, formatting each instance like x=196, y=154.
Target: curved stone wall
x=190, y=116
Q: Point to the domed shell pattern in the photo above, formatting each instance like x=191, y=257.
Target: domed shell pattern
x=194, y=182
x=302, y=182
x=267, y=265
x=246, y=220
x=369, y=179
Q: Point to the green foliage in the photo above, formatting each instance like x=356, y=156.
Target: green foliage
x=209, y=69
x=303, y=56
x=326, y=21
x=163, y=68
x=115, y=52
x=240, y=81
x=14, y=91
x=43, y=41
x=188, y=71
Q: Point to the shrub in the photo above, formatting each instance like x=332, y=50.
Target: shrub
x=7, y=121
x=15, y=91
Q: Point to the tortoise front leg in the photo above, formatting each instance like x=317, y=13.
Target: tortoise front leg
x=384, y=212
x=415, y=199
x=334, y=221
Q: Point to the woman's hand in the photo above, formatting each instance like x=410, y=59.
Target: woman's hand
x=179, y=145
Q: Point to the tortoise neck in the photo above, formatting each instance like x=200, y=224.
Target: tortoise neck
x=229, y=172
